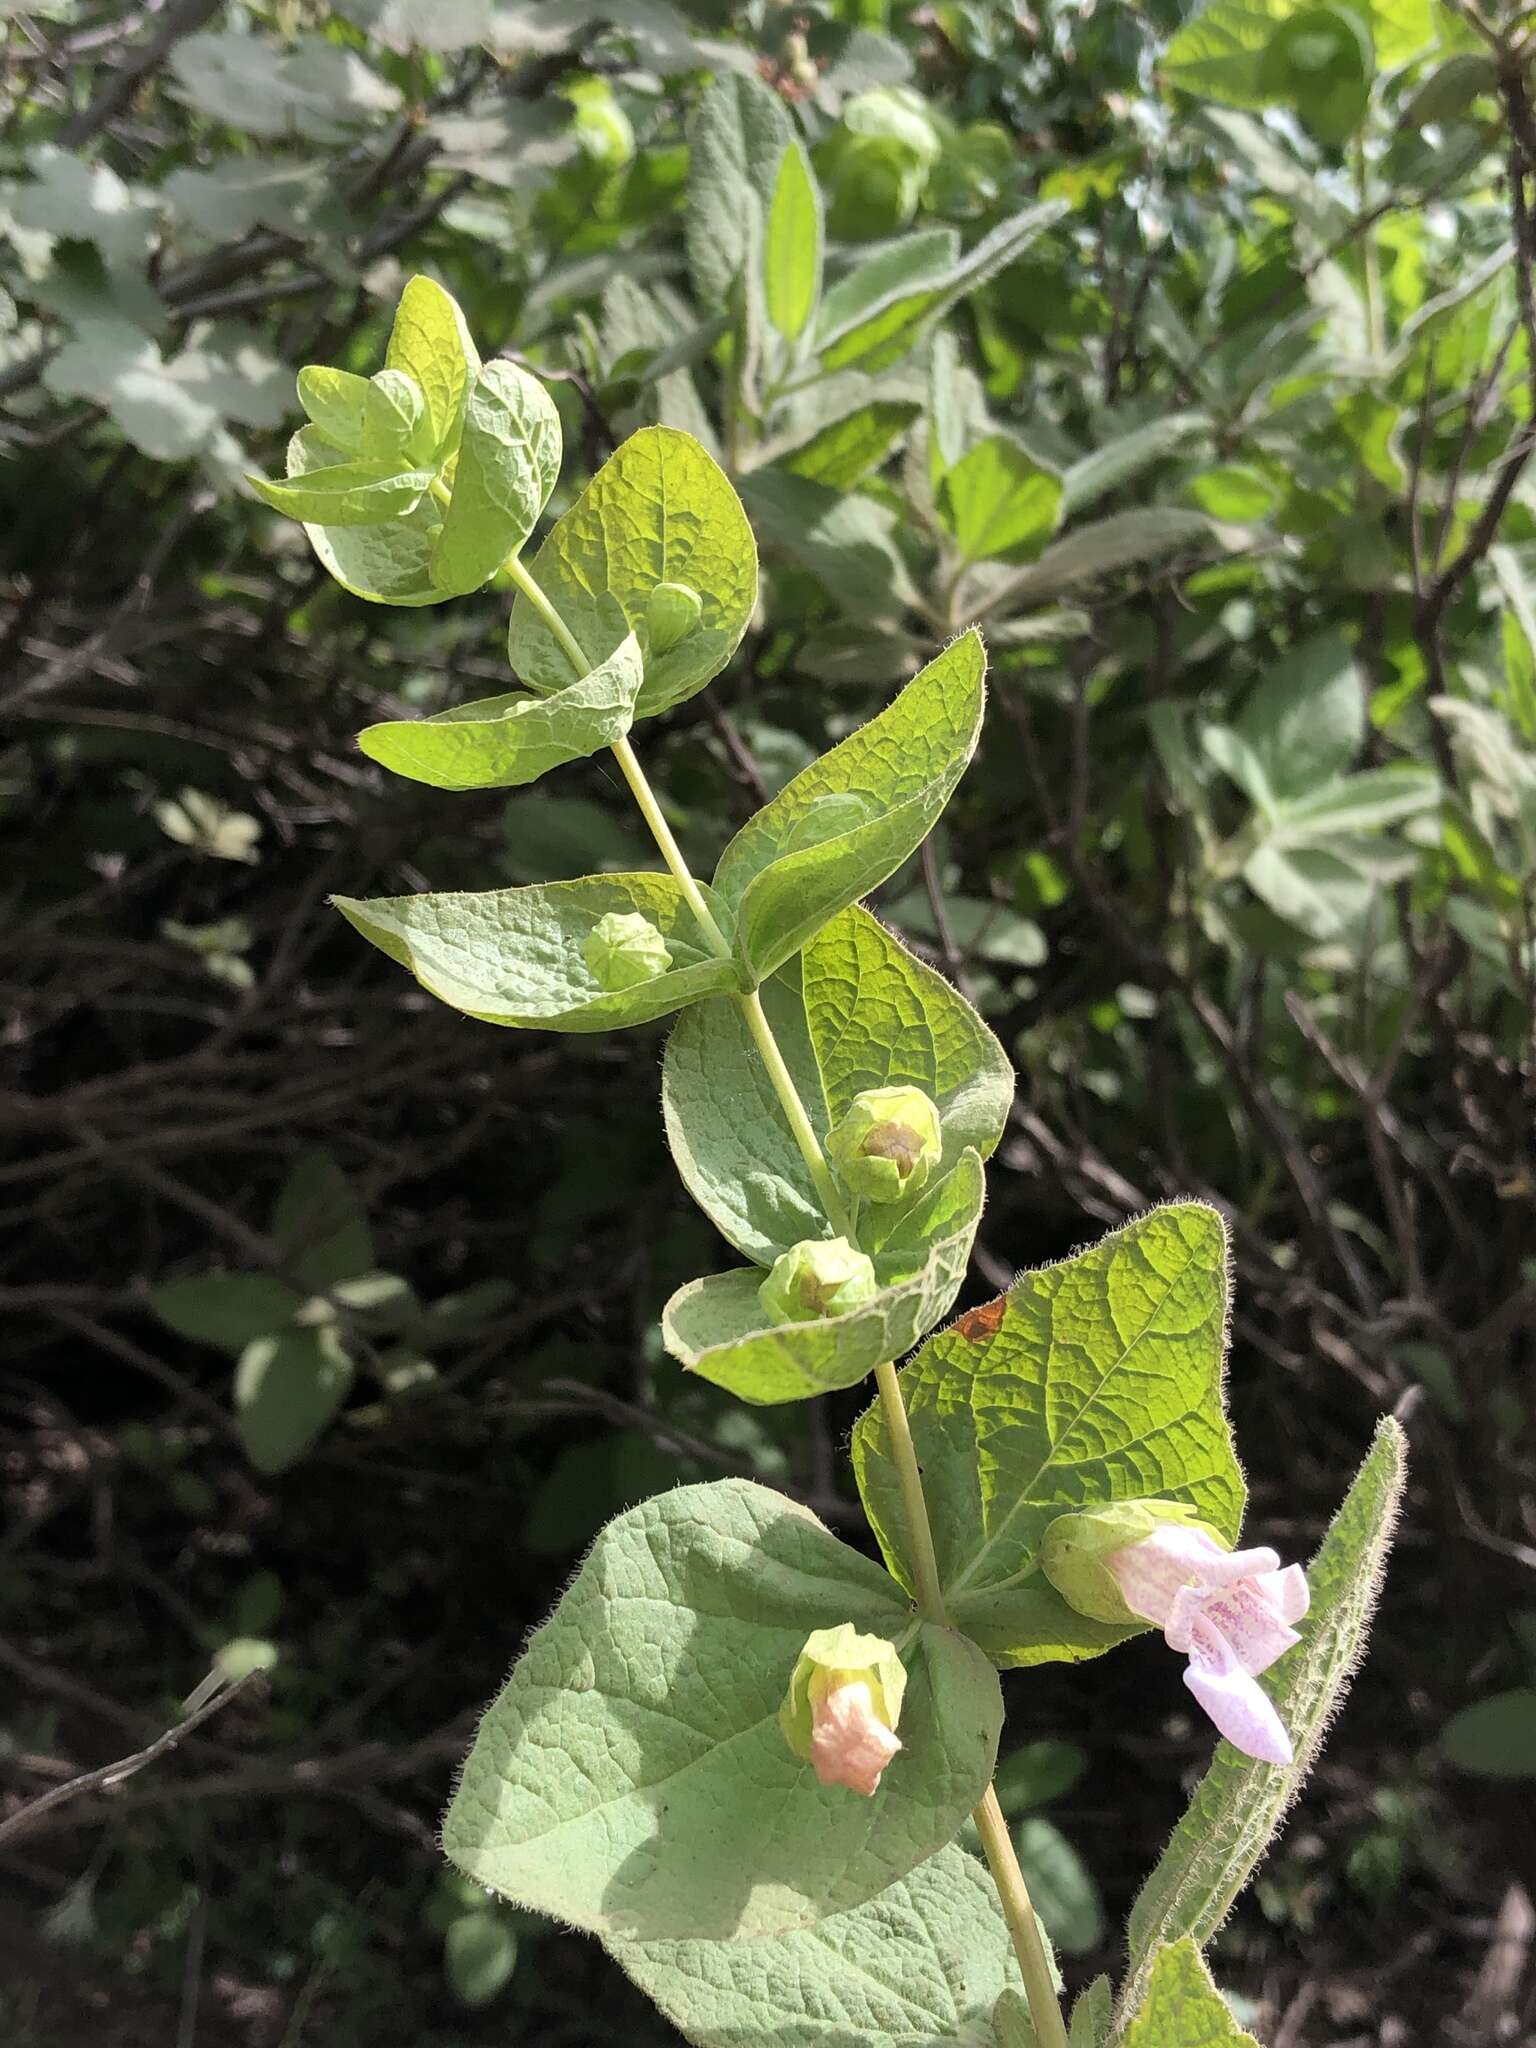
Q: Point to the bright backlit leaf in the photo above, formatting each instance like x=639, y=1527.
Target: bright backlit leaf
x=1093, y=1380
x=509, y=462
x=849, y=820
x=504, y=742
x=661, y=510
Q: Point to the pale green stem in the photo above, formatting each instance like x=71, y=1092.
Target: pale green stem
x=1012, y=1891
x=1034, y=1964
x=909, y=1477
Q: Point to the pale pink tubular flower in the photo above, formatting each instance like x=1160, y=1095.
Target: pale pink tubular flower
x=850, y=1744
x=1231, y=1613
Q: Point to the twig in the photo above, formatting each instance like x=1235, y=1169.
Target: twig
x=110, y=1775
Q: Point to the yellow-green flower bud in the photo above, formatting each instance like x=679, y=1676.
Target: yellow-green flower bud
x=671, y=612
x=821, y=1277
x=624, y=949
x=842, y=1706
x=1075, y=1552
x=886, y=1143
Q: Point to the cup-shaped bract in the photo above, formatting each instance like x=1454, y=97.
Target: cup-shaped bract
x=625, y=948
x=886, y=1143
x=818, y=1277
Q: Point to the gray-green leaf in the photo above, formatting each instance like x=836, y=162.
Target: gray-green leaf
x=719, y=1329
x=509, y=462
x=504, y=742
x=865, y=1014
x=632, y=1777
x=921, y=1965
x=660, y=510
x=801, y=858
x=515, y=956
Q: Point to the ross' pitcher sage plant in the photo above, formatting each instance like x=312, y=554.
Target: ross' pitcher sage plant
x=740, y=1751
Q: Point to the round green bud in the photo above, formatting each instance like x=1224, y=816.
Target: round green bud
x=821, y=1277
x=834, y=1657
x=624, y=949
x=671, y=613
x=886, y=1143
x=1074, y=1548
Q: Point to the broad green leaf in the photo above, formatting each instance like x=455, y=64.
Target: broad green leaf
x=896, y=325
x=1123, y=540
x=864, y=1014
x=922, y=1964
x=999, y=501
x=346, y=493
x=880, y=1018
x=726, y=1128
x=1305, y=722
x=737, y=135
x=1324, y=890
x=335, y=401
x=503, y=742
x=1093, y=1380
x=320, y=1224
x=661, y=510
x=1239, y=1805
x=1495, y=1737
x=509, y=462
x=792, y=244
x=1061, y=1886
x=849, y=820
x=1182, y=2007
x=288, y=1389
x=718, y=1327
x=227, y=1309
x=621, y=1780
x=430, y=342
x=846, y=450
x=386, y=564
x=514, y=956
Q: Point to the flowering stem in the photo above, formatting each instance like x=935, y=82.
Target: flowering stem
x=801, y=1128
x=1034, y=1963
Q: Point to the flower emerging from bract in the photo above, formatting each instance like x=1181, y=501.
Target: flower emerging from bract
x=844, y=1700
x=886, y=1143
x=624, y=949
x=819, y=1277
x=1230, y=1612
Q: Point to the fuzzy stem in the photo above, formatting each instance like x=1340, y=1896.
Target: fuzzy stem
x=1034, y=1964
x=909, y=1476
